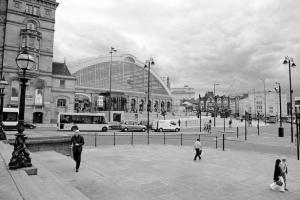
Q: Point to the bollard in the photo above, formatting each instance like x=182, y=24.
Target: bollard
x=131, y=138
x=95, y=139
x=216, y=142
x=114, y=138
x=148, y=139
x=199, y=137
x=181, y=139
x=258, y=129
x=164, y=138
x=223, y=142
x=245, y=129
x=237, y=132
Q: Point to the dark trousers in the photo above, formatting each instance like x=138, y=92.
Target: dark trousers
x=198, y=154
x=77, y=158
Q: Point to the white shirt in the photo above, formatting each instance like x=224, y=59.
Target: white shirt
x=198, y=145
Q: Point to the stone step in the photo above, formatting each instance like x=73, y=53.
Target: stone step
x=43, y=186
x=103, y=186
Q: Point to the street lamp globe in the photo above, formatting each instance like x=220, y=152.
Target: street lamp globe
x=25, y=61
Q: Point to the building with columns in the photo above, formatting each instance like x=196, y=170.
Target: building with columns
x=181, y=94
x=129, y=86
x=263, y=103
x=30, y=24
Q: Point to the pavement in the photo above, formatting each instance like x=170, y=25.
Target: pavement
x=169, y=172
x=160, y=172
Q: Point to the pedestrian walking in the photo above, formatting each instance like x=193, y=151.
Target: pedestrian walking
x=278, y=182
x=205, y=126
x=283, y=166
x=230, y=122
x=198, y=149
x=77, y=141
x=209, y=126
x=179, y=122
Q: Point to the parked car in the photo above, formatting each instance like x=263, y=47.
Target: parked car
x=145, y=123
x=114, y=125
x=29, y=125
x=132, y=126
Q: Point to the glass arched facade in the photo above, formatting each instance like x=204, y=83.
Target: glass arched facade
x=129, y=84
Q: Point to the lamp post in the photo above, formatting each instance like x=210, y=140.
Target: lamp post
x=215, y=103
x=290, y=61
x=280, y=129
x=20, y=156
x=200, y=111
x=3, y=83
x=148, y=65
x=265, y=100
x=112, y=50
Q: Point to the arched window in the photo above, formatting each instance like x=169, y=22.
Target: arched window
x=162, y=106
x=61, y=102
x=133, y=105
x=141, y=106
x=156, y=106
x=168, y=106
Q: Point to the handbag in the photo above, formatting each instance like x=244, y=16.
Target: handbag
x=279, y=183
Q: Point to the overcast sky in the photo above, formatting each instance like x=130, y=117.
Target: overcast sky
x=236, y=43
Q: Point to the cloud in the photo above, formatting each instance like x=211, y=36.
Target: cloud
x=234, y=42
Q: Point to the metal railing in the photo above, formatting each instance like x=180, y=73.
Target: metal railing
x=97, y=139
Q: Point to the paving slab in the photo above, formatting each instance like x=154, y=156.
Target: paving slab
x=169, y=172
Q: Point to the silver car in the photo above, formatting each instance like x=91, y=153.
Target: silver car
x=132, y=126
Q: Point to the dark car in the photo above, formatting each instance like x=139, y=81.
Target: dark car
x=29, y=125
x=132, y=126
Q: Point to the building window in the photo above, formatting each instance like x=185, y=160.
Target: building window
x=270, y=109
x=31, y=26
x=61, y=103
x=47, y=12
x=62, y=83
x=18, y=4
x=24, y=43
x=33, y=10
x=37, y=60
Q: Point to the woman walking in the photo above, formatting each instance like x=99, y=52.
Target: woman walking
x=278, y=182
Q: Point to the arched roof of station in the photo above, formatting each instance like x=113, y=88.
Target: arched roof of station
x=124, y=58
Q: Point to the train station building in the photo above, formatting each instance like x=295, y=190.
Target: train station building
x=52, y=88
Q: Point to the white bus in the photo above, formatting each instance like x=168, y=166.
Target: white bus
x=10, y=118
x=82, y=121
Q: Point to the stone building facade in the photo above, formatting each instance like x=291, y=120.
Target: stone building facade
x=30, y=24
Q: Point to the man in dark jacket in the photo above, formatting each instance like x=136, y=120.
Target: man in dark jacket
x=77, y=141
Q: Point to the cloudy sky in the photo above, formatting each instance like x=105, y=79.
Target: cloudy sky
x=237, y=43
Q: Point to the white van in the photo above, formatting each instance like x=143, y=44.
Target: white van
x=165, y=125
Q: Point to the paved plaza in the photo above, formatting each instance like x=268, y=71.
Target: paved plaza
x=168, y=172
x=243, y=171
x=165, y=172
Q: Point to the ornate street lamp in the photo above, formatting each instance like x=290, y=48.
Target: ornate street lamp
x=112, y=50
x=148, y=65
x=290, y=61
x=3, y=83
x=20, y=156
